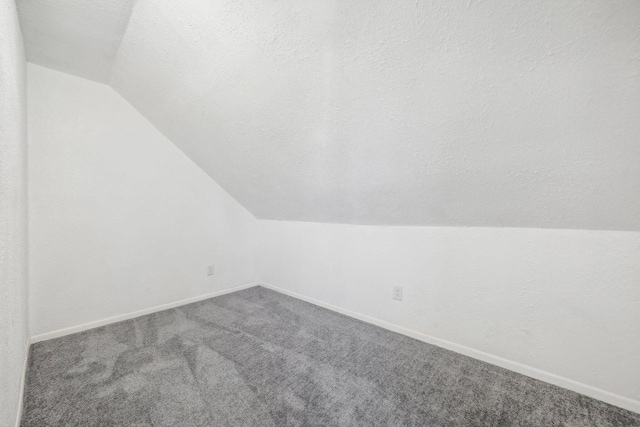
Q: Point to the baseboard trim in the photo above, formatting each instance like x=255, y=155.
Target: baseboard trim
x=115, y=319
x=560, y=381
x=22, y=385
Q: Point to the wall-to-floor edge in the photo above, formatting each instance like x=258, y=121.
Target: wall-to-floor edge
x=560, y=381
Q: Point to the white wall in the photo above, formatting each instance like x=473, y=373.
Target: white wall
x=560, y=305
x=120, y=219
x=13, y=215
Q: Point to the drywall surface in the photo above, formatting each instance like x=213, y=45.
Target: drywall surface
x=14, y=332
x=566, y=302
x=471, y=113
x=120, y=219
x=77, y=37
x=400, y=112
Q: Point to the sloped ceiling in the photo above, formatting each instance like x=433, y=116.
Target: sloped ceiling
x=79, y=37
x=466, y=113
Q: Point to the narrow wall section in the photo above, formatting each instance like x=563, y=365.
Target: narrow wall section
x=121, y=220
x=13, y=214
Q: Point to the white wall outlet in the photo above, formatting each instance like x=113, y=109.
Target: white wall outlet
x=397, y=292
x=210, y=270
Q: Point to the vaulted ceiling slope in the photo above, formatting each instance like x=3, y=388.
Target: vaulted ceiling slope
x=469, y=113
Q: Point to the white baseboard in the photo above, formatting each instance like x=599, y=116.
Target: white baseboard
x=127, y=316
x=22, y=384
x=587, y=390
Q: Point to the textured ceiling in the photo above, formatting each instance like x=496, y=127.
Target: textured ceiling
x=79, y=37
x=472, y=113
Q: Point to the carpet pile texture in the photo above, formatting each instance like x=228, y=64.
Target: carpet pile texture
x=260, y=358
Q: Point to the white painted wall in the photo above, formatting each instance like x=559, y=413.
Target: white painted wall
x=560, y=305
x=120, y=219
x=14, y=330
x=381, y=112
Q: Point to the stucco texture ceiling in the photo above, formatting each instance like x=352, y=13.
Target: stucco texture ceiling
x=447, y=113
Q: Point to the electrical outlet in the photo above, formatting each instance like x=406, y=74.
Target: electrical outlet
x=397, y=292
x=210, y=270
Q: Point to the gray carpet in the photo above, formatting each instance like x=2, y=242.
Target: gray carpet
x=259, y=358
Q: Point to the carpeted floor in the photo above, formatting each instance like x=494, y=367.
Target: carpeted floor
x=259, y=358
